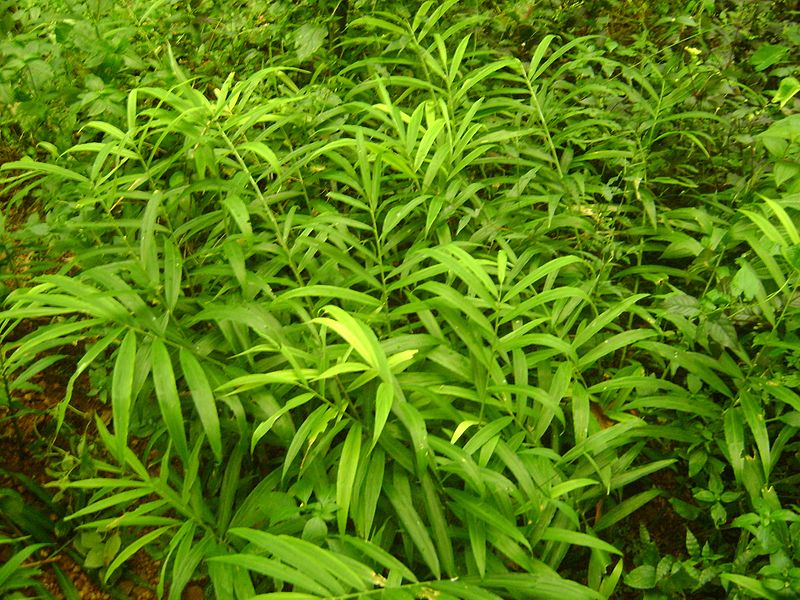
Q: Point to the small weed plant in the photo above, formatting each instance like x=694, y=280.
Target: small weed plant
x=425, y=301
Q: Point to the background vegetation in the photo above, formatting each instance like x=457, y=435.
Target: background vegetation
x=404, y=300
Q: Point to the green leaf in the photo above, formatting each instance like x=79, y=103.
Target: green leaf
x=601, y=321
x=641, y=578
x=455, y=63
x=148, y=251
x=785, y=170
x=459, y=262
x=625, y=508
x=173, y=272
x=434, y=508
x=14, y=562
x=237, y=209
x=750, y=584
x=429, y=22
x=357, y=335
x=168, y=400
x=265, y=426
x=331, y=291
x=698, y=364
x=384, y=399
x=787, y=222
x=581, y=411
x=122, y=392
x=547, y=269
x=45, y=168
x=399, y=494
x=612, y=344
x=681, y=246
x=316, y=423
x=746, y=282
x=487, y=433
x=380, y=556
x=276, y=570
x=477, y=541
x=768, y=55
x=231, y=483
x=371, y=490
x=204, y=401
x=480, y=74
x=780, y=135
x=264, y=152
x=330, y=570
x=788, y=89
x=538, y=55
x=488, y=515
x=116, y=499
x=92, y=353
x=576, y=538
x=188, y=555
x=427, y=141
x=346, y=474
x=309, y=38
x=570, y=485
x=436, y=167
x=754, y=416
x=398, y=213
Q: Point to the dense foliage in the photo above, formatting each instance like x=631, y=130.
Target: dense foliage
x=408, y=300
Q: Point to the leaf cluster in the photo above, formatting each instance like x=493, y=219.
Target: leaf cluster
x=433, y=319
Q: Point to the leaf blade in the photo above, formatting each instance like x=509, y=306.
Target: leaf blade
x=204, y=401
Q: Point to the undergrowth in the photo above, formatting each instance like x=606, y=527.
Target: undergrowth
x=416, y=302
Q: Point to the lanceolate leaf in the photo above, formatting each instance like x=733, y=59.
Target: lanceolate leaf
x=357, y=335
x=556, y=534
x=133, y=549
x=173, y=273
x=204, y=400
x=399, y=494
x=10, y=569
x=488, y=516
x=277, y=571
x=331, y=571
x=439, y=526
x=597, y=324
x=168, y=399
x=122, y=391
x=348, y=463
x=383, y=405
x=613, y=344
x=754, y=415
